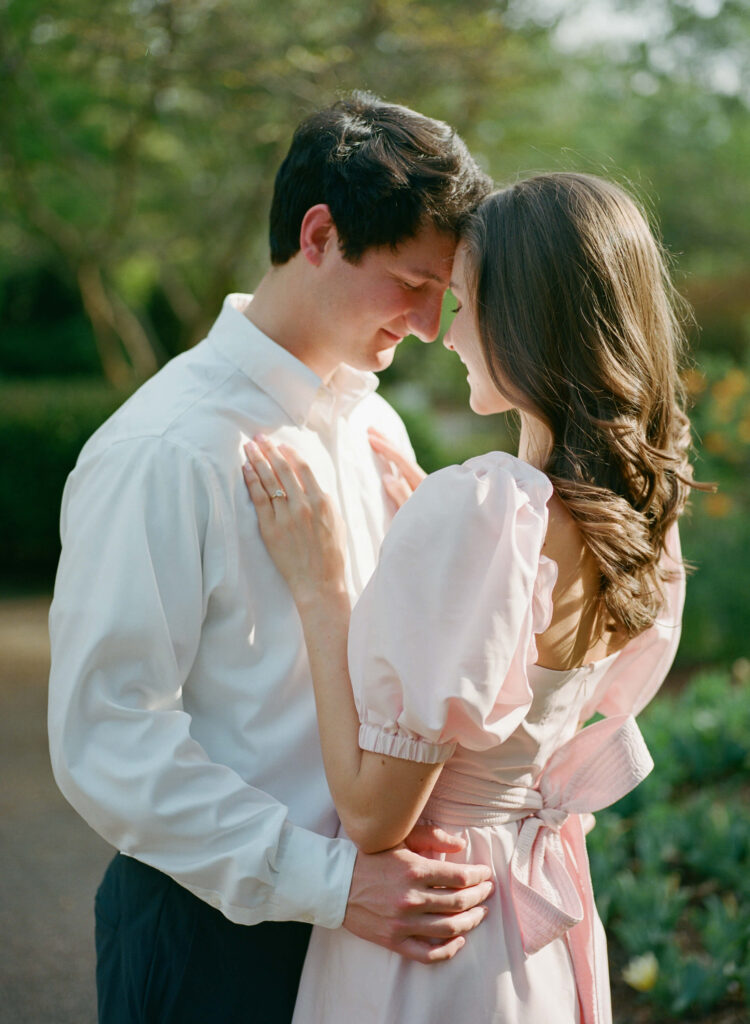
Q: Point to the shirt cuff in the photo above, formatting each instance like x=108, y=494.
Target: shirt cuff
x=313, y=878
x=394, y=742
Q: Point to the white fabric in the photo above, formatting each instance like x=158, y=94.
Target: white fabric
x=181, y=716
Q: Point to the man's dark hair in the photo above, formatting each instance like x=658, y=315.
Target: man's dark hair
x=383, y=170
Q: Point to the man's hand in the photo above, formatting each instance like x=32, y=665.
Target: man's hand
x=416, y=906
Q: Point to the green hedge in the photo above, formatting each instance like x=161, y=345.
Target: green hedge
x=43, y=426
x=670, y=860
x=716, y=532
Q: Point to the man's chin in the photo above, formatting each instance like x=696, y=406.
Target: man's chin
x=374, y=360
x=383, y=358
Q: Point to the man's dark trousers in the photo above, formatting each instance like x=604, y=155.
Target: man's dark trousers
x=166, y=957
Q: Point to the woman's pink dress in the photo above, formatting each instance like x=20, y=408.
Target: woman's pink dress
x=442, y=657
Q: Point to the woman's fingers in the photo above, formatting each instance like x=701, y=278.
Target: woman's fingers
x=269, y=496
x=280, y=467
x=290, y=485
x=259, y=496
x=412, y=473
x=304, y=474
x=297, y=522
x=427, y=839
x=262, y=468
x=397, y=489
x=323, y=508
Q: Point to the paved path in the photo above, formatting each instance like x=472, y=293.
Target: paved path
x=50, y=861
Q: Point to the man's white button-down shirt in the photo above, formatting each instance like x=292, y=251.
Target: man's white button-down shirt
x=181, y=716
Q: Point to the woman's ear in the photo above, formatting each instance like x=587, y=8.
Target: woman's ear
x=317, y=234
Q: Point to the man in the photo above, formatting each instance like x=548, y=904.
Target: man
x=182, y=723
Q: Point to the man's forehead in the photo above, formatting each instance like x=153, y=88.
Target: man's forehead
x=427, y=257
x=435, y=264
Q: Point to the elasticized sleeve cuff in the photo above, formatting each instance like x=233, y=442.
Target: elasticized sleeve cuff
x=396, y=742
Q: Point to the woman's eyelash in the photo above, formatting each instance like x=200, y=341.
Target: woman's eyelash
x=456, y=309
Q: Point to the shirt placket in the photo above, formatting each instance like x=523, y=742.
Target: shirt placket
x=335, y=431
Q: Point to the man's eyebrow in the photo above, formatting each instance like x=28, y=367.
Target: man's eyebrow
x=429, y=274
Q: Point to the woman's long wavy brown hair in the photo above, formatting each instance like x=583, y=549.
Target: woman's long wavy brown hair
x=580, y=327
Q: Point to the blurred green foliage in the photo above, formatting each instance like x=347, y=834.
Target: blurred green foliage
x=137, y=155
x=138, y=151
x=716, y=533
x=138, y=146
x=669, y=861
x=43, y=425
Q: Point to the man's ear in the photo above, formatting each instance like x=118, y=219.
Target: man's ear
x=317, y=234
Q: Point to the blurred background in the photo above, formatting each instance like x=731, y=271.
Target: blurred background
x=138, y=146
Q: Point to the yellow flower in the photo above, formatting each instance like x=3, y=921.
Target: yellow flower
x=695, y=381
x=741, y=674
x=718, y=506
x=731, y=386
x=234, y=79
x=726, y=392
x=715, y=443
x=641, y=973
x=730, y=900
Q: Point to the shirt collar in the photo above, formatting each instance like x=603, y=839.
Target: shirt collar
x=294, y=386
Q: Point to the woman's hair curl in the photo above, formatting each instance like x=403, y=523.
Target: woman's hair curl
x=581, y=327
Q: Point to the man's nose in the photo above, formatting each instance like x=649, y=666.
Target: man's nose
x=424, y=319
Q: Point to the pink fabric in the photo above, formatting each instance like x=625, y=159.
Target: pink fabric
x=442, y=635
x=442, y=659
x=549, y=874
x=639, y=670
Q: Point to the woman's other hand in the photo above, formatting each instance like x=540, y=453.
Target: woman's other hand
x=402, y=476
x=299, y=524
x=433, y=842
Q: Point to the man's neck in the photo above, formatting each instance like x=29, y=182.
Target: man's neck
x=290, y=322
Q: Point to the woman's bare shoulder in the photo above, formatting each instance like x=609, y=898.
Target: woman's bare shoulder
x=576, y=633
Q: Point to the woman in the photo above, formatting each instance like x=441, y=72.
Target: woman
x=514, y=598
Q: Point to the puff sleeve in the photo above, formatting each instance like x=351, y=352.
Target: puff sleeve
x=442, y=635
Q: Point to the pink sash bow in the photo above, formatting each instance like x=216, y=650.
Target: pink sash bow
x=549, y=873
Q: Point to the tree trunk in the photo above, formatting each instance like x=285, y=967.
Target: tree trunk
x=99, y=311
x=117, y=330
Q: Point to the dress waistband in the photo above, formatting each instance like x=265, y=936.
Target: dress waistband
x=460, y=799
x=549, y=877
x=599, y=765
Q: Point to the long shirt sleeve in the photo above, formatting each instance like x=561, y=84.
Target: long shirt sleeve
x=125, y=630
x=181, y=714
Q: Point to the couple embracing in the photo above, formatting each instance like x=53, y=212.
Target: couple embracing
x=342, y=752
